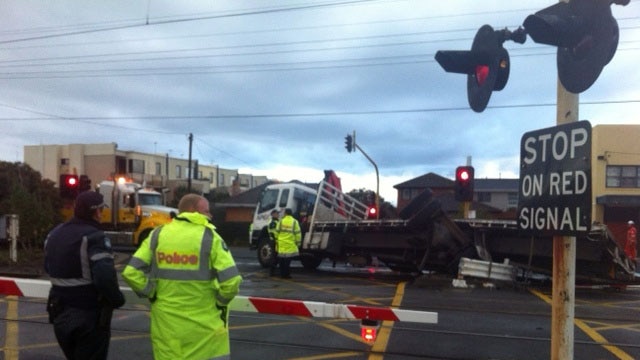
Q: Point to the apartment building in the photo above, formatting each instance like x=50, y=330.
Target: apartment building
x=161, y=171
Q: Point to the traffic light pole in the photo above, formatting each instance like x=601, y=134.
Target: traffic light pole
x=564, y=258
x=377, y=179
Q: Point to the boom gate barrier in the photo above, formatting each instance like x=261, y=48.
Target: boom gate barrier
x=369, y=315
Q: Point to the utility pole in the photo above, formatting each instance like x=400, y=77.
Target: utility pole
x=189, y=171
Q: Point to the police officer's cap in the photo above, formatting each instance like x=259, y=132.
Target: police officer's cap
x=87, y=203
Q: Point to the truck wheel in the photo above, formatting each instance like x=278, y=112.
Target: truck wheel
x=309, y=261
x=266, y=253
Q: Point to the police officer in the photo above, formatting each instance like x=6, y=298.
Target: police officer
x=84, y=291
x=273, y=227
x=288, y=241
x=186, y=270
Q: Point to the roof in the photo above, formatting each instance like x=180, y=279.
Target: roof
x=249, y=198
x=495, y=185
x=429, y=180
x=432, y=180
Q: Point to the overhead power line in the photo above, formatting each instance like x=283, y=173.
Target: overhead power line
x=142, y=23
x=89, y=119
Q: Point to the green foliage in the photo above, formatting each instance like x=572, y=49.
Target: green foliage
x=35, y=200
x=179, y=192
x=387, y=210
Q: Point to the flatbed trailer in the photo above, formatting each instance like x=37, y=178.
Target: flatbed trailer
x=599, y=258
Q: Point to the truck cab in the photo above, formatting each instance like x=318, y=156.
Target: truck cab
x=295, y=196
x=133, y=208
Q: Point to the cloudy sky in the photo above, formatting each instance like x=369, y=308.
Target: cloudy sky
x=272, y=87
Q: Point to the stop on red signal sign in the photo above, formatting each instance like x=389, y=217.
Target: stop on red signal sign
x=554, y=195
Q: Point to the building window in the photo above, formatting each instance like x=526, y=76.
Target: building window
x=406, y=194
x=158, y=168
x=211, y=177
x=623, y=176
x=221, y=182
x=136, y=166
x=178, y=171
x=484, y=197
x=512, y=200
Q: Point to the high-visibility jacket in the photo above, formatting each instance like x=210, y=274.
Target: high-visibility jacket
x=188, y=273
x=288, y=236
x=631, y=244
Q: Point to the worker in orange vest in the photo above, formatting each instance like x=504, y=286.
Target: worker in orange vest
x=630, y=247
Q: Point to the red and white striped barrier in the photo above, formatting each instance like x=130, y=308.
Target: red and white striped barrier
x=40, y=289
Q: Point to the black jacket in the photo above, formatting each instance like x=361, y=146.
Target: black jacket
x=79, y=261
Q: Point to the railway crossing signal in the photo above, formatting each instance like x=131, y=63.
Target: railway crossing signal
x=463, y=187
x=586, y=34
x=69, y=185
x=486, y=65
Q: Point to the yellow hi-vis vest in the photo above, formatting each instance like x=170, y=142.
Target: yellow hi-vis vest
x=288, y=236
x=186, y=270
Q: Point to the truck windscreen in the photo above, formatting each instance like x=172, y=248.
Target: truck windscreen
x=150, y=199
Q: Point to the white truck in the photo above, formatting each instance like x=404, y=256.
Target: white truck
x=336, y=226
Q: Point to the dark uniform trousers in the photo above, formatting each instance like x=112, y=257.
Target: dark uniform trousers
x=78, y=335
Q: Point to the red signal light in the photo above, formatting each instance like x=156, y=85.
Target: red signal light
x=482, y=73
x=463, y=175
x=463, y=186
x=69, y=185
x=72, y=181
x=369, y=330
x=368, y=334
x=372, y=211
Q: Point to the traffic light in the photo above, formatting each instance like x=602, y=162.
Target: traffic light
x=85, y=183
x=348, y=143
x=486, y=64
x=69, y=185
x=586, y=34
x=372, y=212
x=463, y=187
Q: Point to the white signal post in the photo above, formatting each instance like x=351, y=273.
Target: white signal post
x=564, y=258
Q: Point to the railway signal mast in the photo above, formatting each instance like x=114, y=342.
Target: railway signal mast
x=586, y=36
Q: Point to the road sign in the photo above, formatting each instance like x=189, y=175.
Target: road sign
x=555, y=180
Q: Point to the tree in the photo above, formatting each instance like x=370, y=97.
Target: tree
x=368, y=197
x=35, y=200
